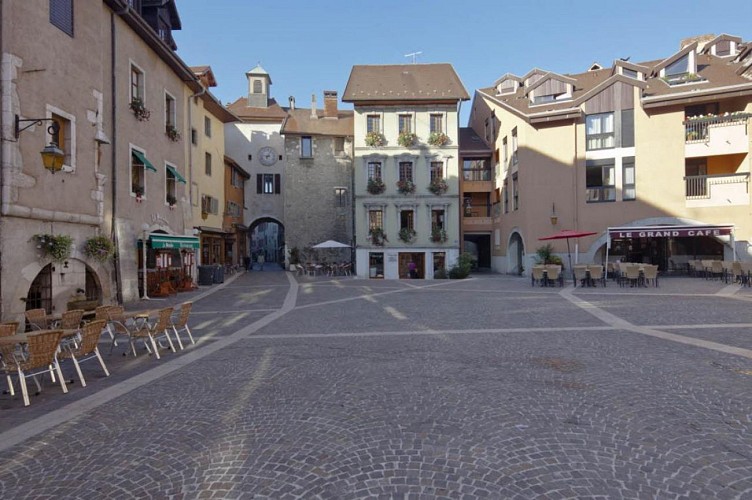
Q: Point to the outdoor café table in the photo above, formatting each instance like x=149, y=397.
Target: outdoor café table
x=141, y=318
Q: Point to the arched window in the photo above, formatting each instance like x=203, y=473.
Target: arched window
x=257, y=87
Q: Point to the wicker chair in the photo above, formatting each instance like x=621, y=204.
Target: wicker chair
x=554, y=275
x=596, y=274
x=40, y=357
x=100, y=313
x=650, y=274
x=157, y=330
x=87, y=348
x=37, y=319
x=181, y=325
x=118, y=325
x=8, y=329
x=71, y=320
x=631, y=274
x=537, y=276
x=580, y=274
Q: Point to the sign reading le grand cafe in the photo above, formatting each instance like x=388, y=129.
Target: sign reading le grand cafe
x=669, y=232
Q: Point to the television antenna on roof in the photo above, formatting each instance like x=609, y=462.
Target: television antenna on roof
x=414, y=55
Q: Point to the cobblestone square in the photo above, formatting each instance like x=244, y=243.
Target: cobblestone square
x=303, y=387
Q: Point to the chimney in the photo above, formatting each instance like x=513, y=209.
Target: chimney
x=330, y=103
x=314, y=115
x=291, y=99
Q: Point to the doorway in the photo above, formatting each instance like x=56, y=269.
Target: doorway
x=480, y=246
x=419, y=258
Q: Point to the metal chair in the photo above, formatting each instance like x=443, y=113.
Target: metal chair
x=87, y=349
x=156, y=331
x=41, y=349
x=37, y=319
x=181, y=325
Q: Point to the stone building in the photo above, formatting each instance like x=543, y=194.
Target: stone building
x=256, y=144
x=318, y=175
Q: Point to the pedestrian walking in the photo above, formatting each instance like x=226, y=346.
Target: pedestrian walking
x=412, y=270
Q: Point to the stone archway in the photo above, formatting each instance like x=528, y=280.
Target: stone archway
x=515, y=254
x=56, y=284
x=267, y=235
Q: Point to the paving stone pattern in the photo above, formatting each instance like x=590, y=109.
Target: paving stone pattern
x=482, y=388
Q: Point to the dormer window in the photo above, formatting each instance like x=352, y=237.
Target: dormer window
x=677, y=68
x=681, y=71
x=631, y=73
x=724, y=48
x=507, y=87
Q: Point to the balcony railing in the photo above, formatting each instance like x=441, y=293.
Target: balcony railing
x=477, y=174
x=477, y=211
x=696, y=129
x=701, y=186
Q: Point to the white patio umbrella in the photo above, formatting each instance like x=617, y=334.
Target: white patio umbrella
x=330, y=244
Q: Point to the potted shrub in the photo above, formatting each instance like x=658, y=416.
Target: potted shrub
x=139, y=109
x=438, y=234
x=377, y=236
x=406, y=139
x=406, y=186
x=407, y=234
x=438, y=139
x=374, y=139
x=57, y=247
x=171, y=201
x=172, y=133
x=438, y=186
x=99, y=248
x=376, y=185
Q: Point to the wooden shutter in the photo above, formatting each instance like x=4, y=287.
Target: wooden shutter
x=277, y=184
x=259, y=183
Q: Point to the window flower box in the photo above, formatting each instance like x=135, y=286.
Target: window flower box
x=139, y=192
x=438, y=234
x=438, y=139
x=377, y=236
x=406, y=187
x=438, y=187
x=139, y=109
x=406, y=139
x=376, y=186
x=407, y=234
x=171, y=201
x=57, y=247
x=99, y=248
x=172, y=133
x=375, y=139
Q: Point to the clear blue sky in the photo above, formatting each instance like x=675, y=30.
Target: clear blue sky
x=309, y=46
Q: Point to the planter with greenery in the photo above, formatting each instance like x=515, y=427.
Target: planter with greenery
x=172, y=133
x=139, y=109
x=438, y=139
x=545, y=255
x=438, y=187
x=438, y=234
x=462, y=268
x=171, y=201
x=99, y=248
x=377, y=236
x=406, y=139
x=405, y=187
x=375, y=139
x=376, y=185
x=57, y=247
x=407, y=234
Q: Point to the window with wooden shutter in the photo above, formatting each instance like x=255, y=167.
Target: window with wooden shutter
x=61, y=15
x=259, y=183
x=277, y=183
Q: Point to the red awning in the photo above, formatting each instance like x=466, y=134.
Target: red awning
x=568, y=233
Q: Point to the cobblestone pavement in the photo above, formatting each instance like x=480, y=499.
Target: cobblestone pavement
x=320, y=387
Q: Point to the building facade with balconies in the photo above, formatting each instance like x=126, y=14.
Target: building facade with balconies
x=658, y=144
x=406, y=168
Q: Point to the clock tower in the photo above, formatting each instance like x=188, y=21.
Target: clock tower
x=259, y=82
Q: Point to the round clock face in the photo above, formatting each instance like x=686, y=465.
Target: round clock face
x=267, y=156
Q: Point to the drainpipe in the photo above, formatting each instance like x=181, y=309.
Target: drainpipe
x=2, y=163
x=113, y=152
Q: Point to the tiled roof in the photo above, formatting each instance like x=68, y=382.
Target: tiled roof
x=401, y=82
x=273, y=112
x=715, y=74
x=299, y=121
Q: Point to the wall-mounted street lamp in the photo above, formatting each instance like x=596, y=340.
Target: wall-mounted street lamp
x=52, y=155
x=554, y=218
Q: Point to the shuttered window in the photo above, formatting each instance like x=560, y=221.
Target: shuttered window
x=61, y=15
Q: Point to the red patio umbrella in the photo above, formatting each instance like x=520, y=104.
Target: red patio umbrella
x=565, y=234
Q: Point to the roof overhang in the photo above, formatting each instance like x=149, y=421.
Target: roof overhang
x=696, y=95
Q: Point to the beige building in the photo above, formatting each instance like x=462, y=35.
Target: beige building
x=120, y=122
x=654, y=157
x=406, y=168
x=206, y=172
